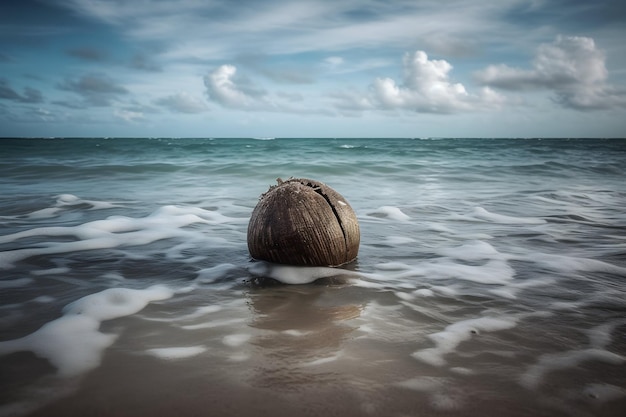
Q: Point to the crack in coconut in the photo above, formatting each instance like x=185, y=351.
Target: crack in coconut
x=318, y=190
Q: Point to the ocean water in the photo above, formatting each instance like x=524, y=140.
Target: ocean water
x=490, y=280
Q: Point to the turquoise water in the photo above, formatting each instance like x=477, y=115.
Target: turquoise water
x=489, y=281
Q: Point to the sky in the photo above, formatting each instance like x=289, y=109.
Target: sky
x=315, y=68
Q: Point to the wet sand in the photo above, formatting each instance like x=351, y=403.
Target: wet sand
x=304, y=351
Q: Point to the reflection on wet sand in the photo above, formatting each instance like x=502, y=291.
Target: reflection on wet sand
x=301, y=332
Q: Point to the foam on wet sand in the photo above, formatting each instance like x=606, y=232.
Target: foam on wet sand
x=447, y=340
x=74, y=343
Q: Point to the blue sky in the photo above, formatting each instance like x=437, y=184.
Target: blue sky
x=320, y=68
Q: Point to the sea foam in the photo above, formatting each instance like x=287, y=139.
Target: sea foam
x=174, y=353
x=114, y=232
x=447, y=340
x=73, y=343
x=551, y=362
x=295, y=274
x=390, y=212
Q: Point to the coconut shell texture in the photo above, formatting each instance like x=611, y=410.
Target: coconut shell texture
x=303, y=222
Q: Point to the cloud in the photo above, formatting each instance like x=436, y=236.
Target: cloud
x=573, y=68
x=141, y=62
x=128, y=115
x=88, y=54
x=426, y=88
x=223, y=87
x=288, y=76
x=291, y=97
x=97, y=90
x=30, y=95
x=279, y=27
x=333, y=62
x=226, y=87
x=183, y=103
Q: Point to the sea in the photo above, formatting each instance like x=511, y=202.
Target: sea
x=490, y=279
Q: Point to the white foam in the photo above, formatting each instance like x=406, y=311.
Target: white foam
x=600, y=336
x=447, y=291
x=569, y=263
x=174, y=353
x=213, y=323
x=398, y=240
x=15, y=283
x=209, y=275
x=504, y=292
x=475, y=250
x=177, y=252
x=63, y=201
x=447, y=340
x=510, y=290
x=73, y=342
x=493, y=270
x=404, y=296
x=44, y=213
x=115, y=231
x=295, y=274
x=393, y=266
x=51, y=271
x=390, y=212
x=295, y=332
x=235, y=340
x=567, y=305
x=202, y=311
x=547, y=363
x=117, y=302
x=481, y=214
x=67, y=199
x=461, y=370
x=367, y=284
x=424, y=292
x=424, y=383
x=438, y=227
x=324, y=360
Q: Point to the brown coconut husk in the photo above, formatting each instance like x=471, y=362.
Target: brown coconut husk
x=303, y=222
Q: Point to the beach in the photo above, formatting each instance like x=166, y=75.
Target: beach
x=489, y=279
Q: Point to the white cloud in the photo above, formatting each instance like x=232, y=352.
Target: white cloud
x=333, y=61
x=183, y=103
x=283, y=26
x=573, y=68
x=222, y=88
x=128, y=115
x=426, y=88
x=225, y=87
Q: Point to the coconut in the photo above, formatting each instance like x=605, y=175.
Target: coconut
x=303, y=222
